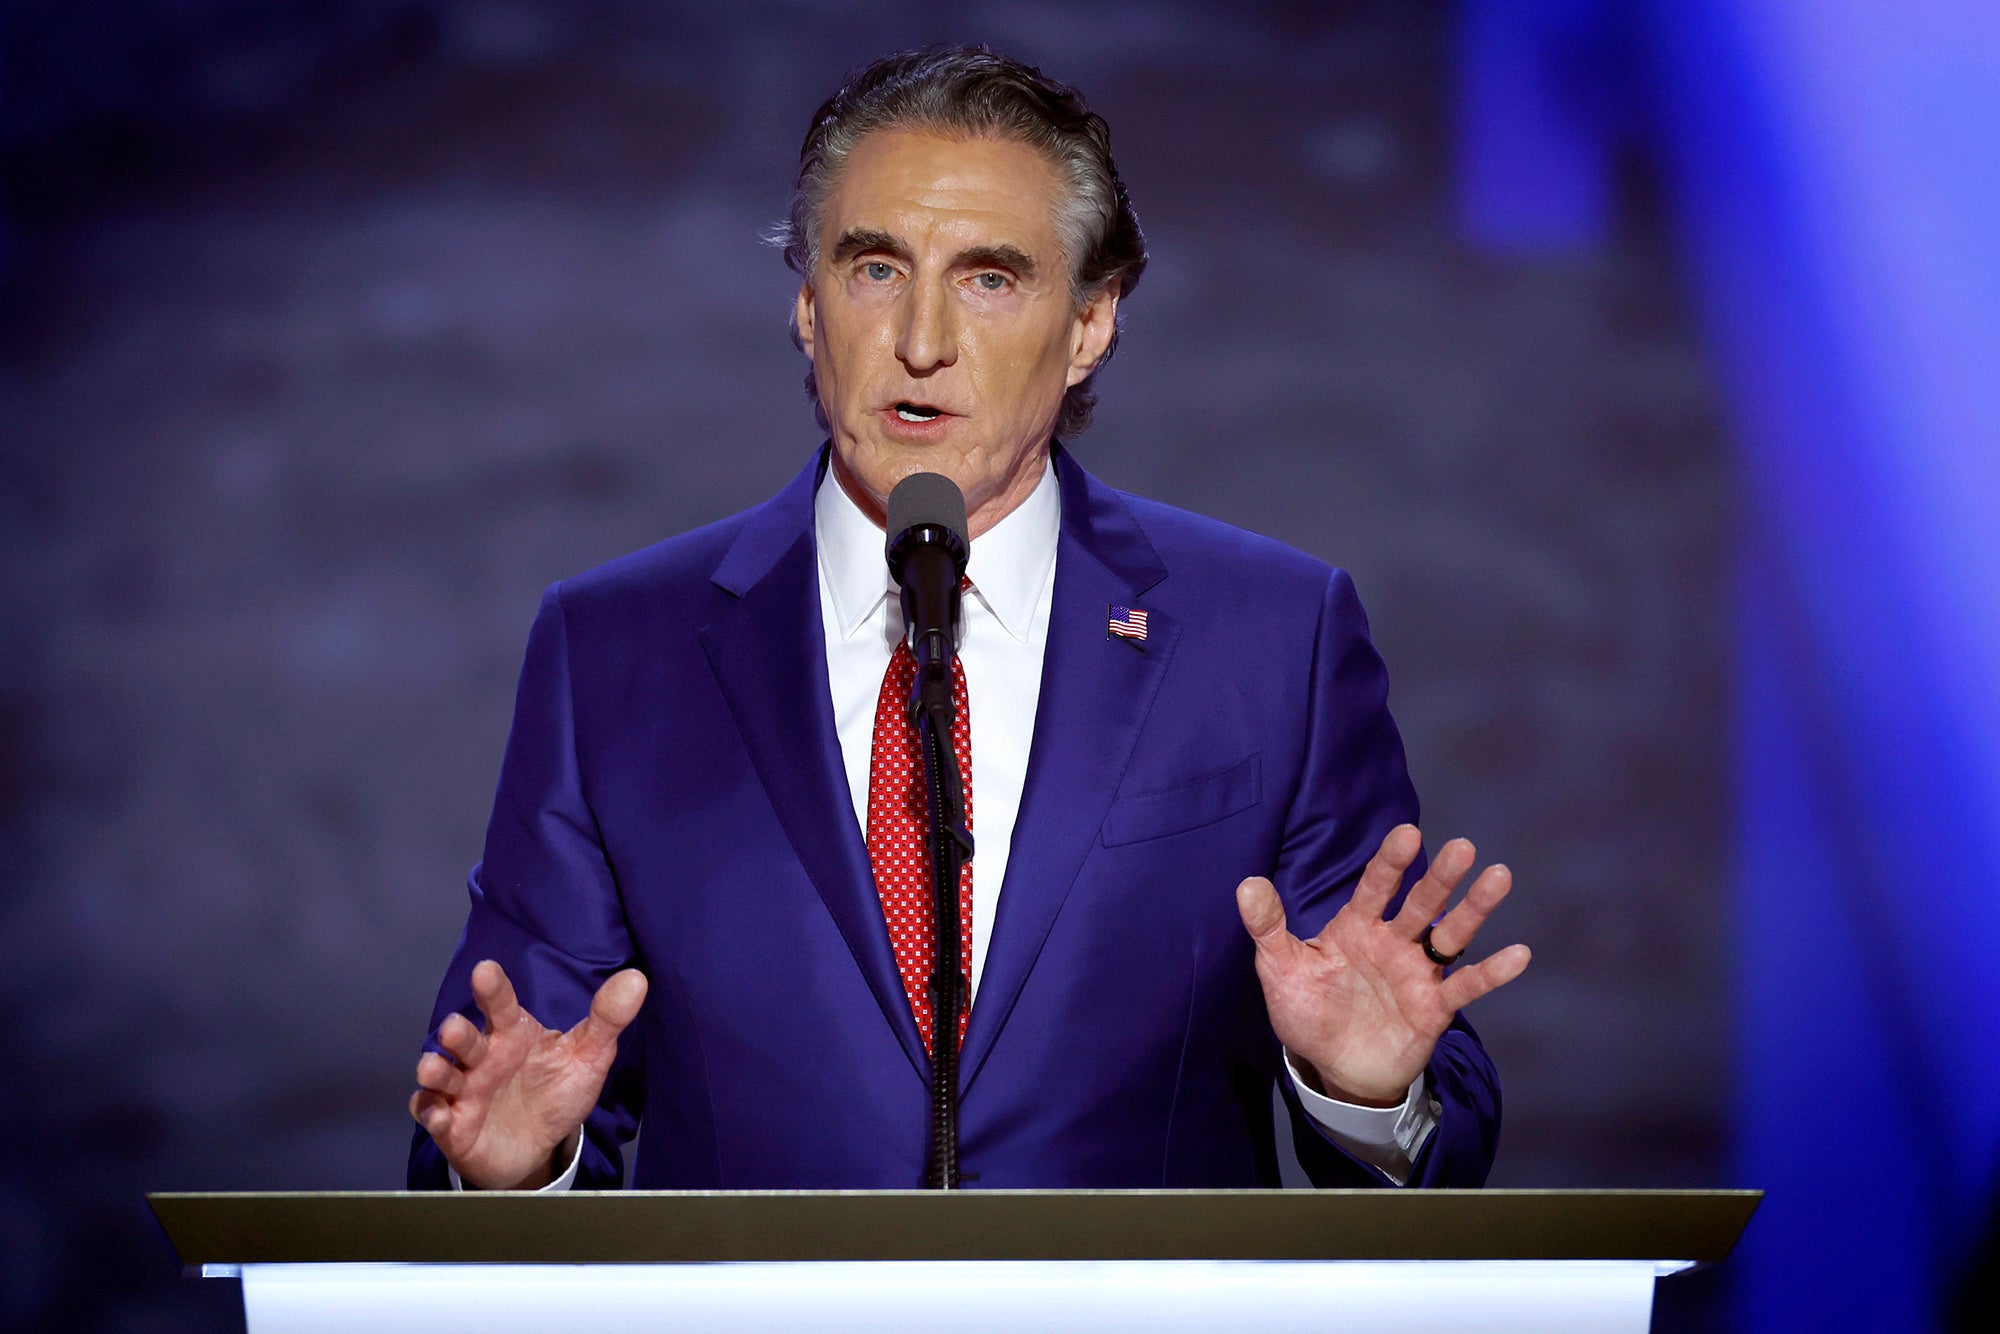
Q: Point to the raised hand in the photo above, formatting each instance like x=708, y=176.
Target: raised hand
x=510, y=1097
x=1362, y=1002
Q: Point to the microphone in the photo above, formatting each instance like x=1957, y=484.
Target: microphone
x=927, y=551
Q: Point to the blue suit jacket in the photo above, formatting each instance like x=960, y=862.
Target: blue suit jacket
x=672, y=798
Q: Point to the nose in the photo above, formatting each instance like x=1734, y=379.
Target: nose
x=928, y=338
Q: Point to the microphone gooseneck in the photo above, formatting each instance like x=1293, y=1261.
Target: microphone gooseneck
x=927, y=551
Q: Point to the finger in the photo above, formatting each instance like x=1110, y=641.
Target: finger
x=1471, y=982
x=1263, y=914
x=1429, y=895
x=1462, y=923
x=1384, y=875
x=615, y=1005
x=495, y=995
x=436, y=1073
x=431, y=1111
x=466, y=1043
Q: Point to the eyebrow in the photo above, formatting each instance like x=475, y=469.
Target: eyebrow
x=863, y=240
x=860, y=240
x=996, y=257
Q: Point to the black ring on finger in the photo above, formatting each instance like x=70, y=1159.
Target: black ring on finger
x=1431, y=951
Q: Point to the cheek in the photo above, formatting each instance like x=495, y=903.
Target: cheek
x=849, y=335
x=1017, y=331
x=1031, y=360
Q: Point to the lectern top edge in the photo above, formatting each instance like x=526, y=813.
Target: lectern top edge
x=723, y=1226
x=1513, y=1193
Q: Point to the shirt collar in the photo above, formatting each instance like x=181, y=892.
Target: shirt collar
x=1009, y=564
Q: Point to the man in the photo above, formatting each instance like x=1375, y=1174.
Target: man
x=693, y=907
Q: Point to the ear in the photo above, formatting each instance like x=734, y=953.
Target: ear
x=802, y=318
x=1090, y=334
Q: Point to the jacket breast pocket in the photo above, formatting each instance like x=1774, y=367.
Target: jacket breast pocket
x=1190, y=805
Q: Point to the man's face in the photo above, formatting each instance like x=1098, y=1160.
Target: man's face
x=939, y=318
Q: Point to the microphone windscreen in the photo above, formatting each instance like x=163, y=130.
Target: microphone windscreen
x=926, y=498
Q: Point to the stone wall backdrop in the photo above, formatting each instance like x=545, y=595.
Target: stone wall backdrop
x=333, y=332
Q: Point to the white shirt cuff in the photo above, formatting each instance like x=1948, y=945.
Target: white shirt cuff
x=1386, y=1138
x=563, y=1182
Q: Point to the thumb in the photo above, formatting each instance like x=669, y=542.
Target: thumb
x=1263, y=914
x=615, y=1005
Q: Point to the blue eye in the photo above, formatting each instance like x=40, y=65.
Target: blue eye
x=877, y=270
x=991, y=281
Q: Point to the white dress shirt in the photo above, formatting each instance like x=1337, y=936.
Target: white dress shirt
x=1004, y=632
x=1004, y=629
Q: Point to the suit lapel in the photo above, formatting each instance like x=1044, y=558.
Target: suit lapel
x=1096, y=691
x=768, y=652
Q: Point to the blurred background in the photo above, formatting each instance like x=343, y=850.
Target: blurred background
x=1641, y=360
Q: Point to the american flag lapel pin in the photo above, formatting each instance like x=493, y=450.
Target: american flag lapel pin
x=1127, y=623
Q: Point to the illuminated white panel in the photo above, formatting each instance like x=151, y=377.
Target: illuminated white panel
x=1504, y=1297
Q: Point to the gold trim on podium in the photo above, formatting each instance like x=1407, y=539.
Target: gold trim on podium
x=628, y=1227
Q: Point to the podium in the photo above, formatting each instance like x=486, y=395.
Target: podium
x=972, y=1260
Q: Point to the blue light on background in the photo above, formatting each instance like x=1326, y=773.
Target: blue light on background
x=1835, y=171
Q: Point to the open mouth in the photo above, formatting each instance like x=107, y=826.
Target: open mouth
x=917, y=412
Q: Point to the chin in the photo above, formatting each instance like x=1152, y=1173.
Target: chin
x=881, y=464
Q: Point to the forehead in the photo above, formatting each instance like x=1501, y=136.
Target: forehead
x=917, y=183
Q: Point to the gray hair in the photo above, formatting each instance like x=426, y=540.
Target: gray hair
x=971, y=91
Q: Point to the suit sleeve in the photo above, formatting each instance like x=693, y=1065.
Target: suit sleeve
x=1354, y=788
x=545, y=902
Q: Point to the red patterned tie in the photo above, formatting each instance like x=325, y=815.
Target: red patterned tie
x=898, y=818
